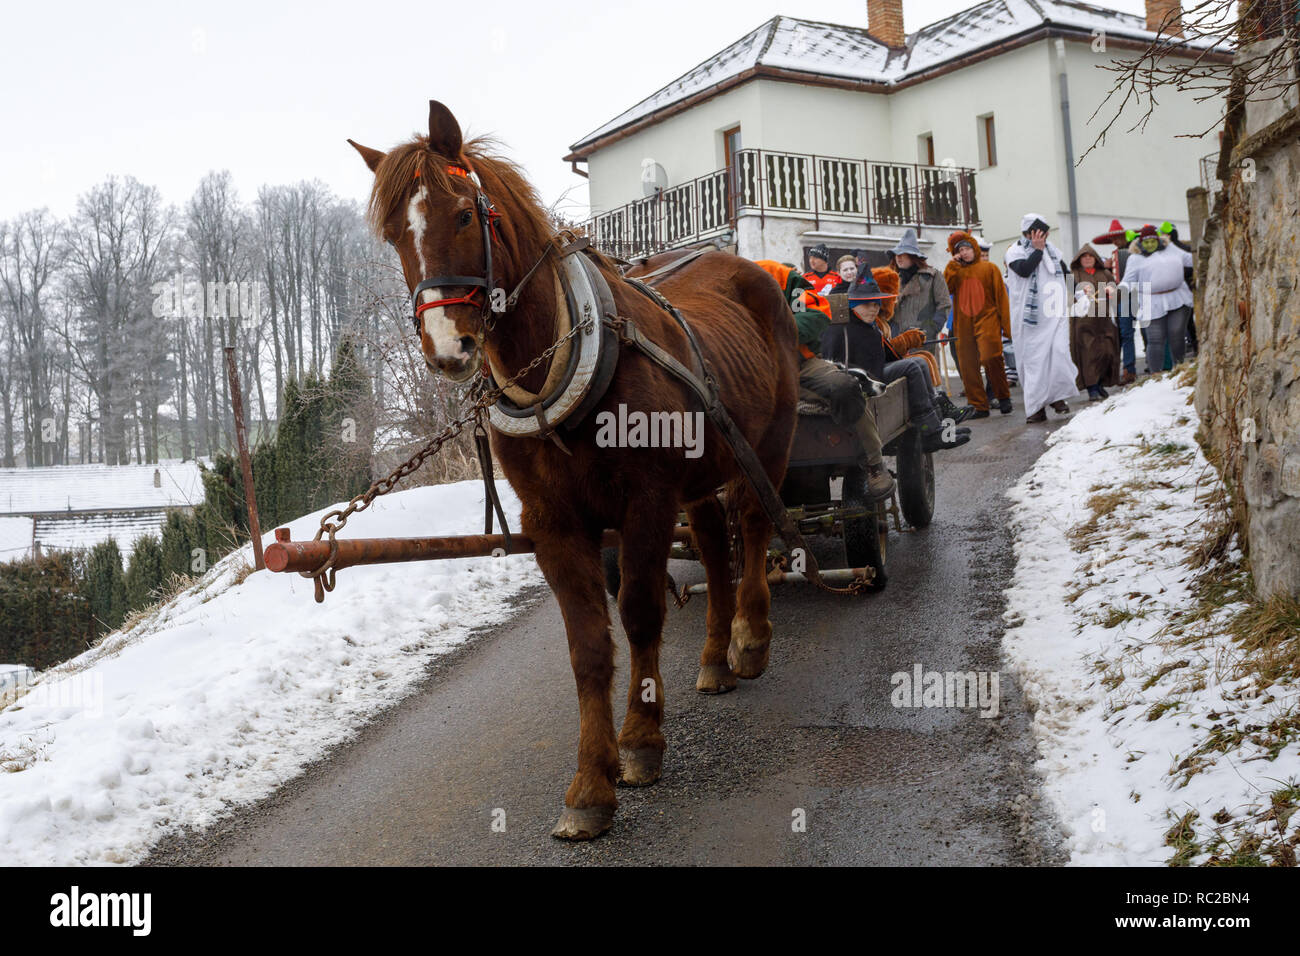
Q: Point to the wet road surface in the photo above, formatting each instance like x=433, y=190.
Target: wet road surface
x=494, y=729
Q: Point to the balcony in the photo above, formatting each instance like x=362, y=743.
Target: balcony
x=791, y=185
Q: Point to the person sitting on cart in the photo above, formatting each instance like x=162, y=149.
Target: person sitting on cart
x=861, y=342
x=843, y=391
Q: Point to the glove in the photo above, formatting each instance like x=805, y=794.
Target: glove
x=912, y=339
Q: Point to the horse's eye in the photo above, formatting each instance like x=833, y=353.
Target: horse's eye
x=465, y=218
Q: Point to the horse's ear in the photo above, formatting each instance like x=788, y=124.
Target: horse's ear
x=444, y=131
x=373, y=157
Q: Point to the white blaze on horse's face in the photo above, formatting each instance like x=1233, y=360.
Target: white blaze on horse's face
x=445, y=348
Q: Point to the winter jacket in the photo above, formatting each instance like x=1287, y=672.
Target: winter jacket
x=822, y=284
x=922, y=302
x=857, y=344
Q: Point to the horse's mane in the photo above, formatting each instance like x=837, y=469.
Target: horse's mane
x=524, y=220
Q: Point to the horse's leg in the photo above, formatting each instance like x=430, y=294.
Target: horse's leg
x=647, y=536
x=571, y=563
x=709, y=524
x=751, y=631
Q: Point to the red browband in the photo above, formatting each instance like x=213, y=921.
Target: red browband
x=467, y=299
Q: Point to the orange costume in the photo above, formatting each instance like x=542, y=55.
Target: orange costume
x=981, y=316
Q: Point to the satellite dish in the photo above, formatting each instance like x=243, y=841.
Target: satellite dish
x=653, y=178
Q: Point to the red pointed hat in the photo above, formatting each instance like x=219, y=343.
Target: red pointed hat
x=1113, y=238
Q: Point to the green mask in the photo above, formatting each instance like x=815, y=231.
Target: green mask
x=1150, y=244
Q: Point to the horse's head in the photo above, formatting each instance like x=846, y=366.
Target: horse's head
x=428, y=204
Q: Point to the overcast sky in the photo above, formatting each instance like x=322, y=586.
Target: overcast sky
x=270, y=90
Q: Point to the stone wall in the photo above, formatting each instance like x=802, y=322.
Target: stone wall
x=1248, y=322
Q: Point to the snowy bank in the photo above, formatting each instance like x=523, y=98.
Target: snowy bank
x=1155, y=741
x=238, y=683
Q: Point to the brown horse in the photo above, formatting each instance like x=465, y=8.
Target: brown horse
x=437, y=218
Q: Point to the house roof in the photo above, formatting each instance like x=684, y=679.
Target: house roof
x=27, y=491
x=795, y=49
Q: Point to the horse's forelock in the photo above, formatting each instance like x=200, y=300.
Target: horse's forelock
x=524, y=221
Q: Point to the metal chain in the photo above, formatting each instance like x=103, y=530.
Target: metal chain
x=487, y=395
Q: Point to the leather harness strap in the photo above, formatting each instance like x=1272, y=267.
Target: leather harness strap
x=491, y=499
x=662, y=271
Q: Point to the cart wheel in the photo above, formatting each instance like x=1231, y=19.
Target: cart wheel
x=915, y=480
x=613, y=576
x=866, y=540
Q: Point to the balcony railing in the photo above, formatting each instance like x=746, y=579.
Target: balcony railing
x=793, y=185
x=1210, y=174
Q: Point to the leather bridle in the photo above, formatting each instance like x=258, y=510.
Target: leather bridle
x=487, y=217
x=484, y=285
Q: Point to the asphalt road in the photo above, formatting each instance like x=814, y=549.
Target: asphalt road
x=494, y=728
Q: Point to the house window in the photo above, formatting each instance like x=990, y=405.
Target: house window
x=925, y=149
x=987, y=141
x=730, y=147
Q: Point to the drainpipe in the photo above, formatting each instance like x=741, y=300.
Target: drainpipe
x=1069, y=146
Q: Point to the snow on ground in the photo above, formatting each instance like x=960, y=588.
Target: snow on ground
x=1143, y=714
x=234, y=686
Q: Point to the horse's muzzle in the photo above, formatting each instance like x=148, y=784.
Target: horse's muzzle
x=457, y=369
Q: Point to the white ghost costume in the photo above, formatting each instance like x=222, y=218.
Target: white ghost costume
x=1040, y=324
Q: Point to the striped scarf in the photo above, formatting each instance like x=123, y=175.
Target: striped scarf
x=1031, y=296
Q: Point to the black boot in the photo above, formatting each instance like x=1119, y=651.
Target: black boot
x=935, y=441
x=946, y=409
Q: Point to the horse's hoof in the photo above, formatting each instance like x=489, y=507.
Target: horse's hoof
x=715, y=679
x=583, y=823
x=747, y=653
x=640, y=767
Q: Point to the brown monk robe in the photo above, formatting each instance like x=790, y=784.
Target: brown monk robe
x=981, y=316
x=1094, y=336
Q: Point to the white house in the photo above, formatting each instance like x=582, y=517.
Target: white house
x=803, y=132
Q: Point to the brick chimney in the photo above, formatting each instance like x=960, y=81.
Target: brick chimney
x=885, y=21
x=1158, y=10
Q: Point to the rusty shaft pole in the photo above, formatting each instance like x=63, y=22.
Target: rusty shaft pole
x=286, y=555
x=245, y=464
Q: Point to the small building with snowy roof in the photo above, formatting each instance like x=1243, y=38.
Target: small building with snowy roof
x=967, y=122
x=73, y=507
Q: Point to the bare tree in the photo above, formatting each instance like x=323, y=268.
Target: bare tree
x=114, y=249
x=1192, y=53
x=31, y=252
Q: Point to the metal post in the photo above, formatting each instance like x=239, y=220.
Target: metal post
x=245, y=464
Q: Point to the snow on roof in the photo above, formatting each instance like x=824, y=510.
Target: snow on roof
x=75, y=531
x=848, y=52
x=25, y=491
x=732, y=61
